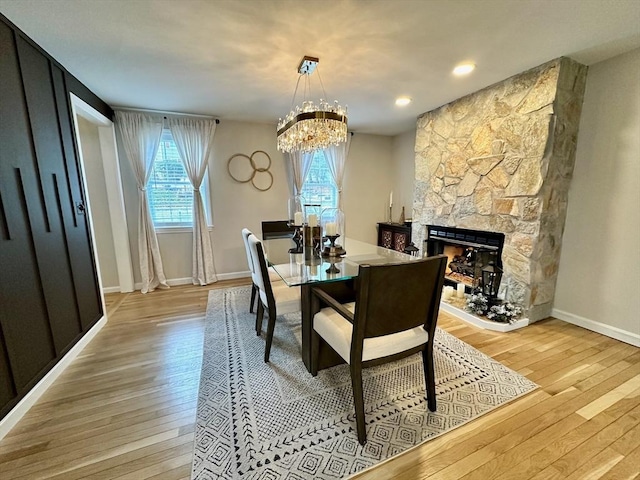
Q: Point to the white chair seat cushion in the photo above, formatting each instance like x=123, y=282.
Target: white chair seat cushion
x=337, y=330
x=287, y=298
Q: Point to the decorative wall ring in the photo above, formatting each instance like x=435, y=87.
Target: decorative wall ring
x=253, y=181
x=255, y=170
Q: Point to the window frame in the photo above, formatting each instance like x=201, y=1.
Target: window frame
x=335, y=195
x=204, y=190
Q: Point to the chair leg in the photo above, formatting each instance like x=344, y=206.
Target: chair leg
x=254, y=290
x=429, y=375
x=259, y=315
x=358, y=401
x=270, y=327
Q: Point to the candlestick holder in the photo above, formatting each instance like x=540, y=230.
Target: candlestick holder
x=297, y=239
x=312, y=238
x=332, y=265
x=390, y=213
x=333, y=250
x=312, y=260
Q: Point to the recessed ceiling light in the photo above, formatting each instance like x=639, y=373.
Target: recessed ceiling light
x=464, y=68
x=403, y=101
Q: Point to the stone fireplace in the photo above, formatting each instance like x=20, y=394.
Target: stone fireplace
x=500, y=160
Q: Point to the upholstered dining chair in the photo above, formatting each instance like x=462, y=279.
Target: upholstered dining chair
x=394, y=315
x=273, y=275
x=254, y=288
x=277, y=297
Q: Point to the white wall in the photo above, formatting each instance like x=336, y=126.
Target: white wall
x=239, y=205
x=96, y=187
x=599, y=275
x=367, y=184
x=404, y=173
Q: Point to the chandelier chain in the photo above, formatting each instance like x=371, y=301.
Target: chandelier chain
x=321, y=84
x=295, y=92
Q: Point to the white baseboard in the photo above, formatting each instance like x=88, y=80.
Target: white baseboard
x=172, y=282
x=234, y=275
x=110, y=290
x=23, y=406
x=598, y=327
x=188, y=281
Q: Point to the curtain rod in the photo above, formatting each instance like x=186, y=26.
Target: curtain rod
x=163, y=112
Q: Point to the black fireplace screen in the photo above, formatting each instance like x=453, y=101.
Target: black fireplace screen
x=467, y=251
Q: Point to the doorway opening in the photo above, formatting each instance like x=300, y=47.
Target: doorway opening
x=102, y=184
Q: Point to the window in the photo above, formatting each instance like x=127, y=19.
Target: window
x=319, y=187
x=169, y=190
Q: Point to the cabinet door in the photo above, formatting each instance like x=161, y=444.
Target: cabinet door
x=386, y=238
x=400, y=241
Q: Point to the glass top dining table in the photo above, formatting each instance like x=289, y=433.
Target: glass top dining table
x=312, y=267
x=309, y=270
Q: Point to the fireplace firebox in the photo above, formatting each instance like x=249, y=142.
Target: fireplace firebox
x=467, y=251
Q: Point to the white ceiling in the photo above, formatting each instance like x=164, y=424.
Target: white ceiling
x=238, y=59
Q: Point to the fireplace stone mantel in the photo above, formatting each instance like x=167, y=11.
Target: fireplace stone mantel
x=501, y=160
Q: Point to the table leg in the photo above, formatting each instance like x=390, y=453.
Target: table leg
x=307, y=324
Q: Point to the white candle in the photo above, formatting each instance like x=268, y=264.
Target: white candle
x=297, y=218
x=460, y=290
x=330, y=228
x=391, y=199
x=313, y=220
x=448, y=292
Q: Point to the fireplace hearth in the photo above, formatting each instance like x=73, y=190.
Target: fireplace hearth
x=468, y=251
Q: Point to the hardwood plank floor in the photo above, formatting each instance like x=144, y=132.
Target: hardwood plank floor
x=125, y=408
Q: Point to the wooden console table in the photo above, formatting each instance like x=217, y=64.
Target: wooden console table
x=395, y=236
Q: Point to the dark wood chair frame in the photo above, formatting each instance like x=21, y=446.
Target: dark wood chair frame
x=271, y=302
x=276, y=229
x=254, y=288
x=389, y=299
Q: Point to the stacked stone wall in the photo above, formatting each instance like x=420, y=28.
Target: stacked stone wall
x=501, y=160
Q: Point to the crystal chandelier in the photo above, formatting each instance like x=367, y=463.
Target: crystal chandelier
x=311, y=127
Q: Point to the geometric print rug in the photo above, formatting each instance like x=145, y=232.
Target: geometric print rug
x=274, y=420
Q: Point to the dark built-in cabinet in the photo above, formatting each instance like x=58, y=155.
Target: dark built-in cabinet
x=49, y=294
x=395, y=236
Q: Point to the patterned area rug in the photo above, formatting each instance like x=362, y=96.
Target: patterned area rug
x=276, y=421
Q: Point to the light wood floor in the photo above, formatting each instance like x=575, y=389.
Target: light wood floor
x=125, y=408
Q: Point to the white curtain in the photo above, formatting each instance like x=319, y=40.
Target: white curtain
x=300, y=165
x=141, y=139
x=194, y=138
x=336, y=156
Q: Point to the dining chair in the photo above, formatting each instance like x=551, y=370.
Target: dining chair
x=394, y=315
x=273, y=274
x=254, y=287
x=276, y=229
x=277, y=297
